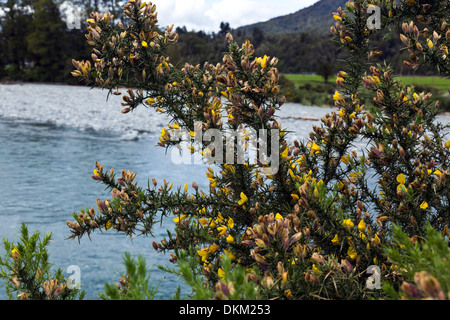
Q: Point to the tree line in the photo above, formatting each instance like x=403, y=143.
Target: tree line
x=37, y=45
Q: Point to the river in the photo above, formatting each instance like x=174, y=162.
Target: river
x=50, y=138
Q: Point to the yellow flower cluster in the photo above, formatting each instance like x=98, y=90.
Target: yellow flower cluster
x=206, y=252
x=220, y=227
x=83, y=68
x=262, y=61
x=363, y=231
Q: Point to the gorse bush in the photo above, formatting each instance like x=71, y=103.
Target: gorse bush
x=309, y=221
x=423, y=265
x=135, y=283
x=312, y=228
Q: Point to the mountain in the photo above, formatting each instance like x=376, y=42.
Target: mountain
x=301, y=41
x=316, y=18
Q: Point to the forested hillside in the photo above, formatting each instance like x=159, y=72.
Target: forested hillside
x=36, y=45
x=315, y=19
x=301, y=41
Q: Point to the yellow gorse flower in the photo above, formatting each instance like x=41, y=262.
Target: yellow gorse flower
x=220, y=218
x=361, y=226
x=346, y=159
x=315, y=148
x=262, y=61
x=213, y=248
x=401, y=178
x=230, y=223
x=15, y=254
x=337, y=96
x=352, y=253
x=402, y=188
x=424, y=205
x=348, y=223
x=203, y=253
x=222, y=230
x=243, y=200
x=211, y=179
x=221, y=273
x=180, y=218
x=315, y=269
x=335, y=241
x=229, y=254
x=376, y=240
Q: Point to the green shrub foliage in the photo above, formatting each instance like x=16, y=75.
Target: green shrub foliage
x=312, y=229
x=29, y=275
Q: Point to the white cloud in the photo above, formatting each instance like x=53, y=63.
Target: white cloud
x=189, y=13
x=208, y=14
x=239, y=12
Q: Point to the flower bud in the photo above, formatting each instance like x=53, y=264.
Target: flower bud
x=429, y=285
x=410, y=290
x=15, y=281
x=23, y=296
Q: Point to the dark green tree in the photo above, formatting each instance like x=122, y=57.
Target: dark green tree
x=325, y=71
x=15, y=25
x=258, y=36
x=48, y=43
x=224, y=28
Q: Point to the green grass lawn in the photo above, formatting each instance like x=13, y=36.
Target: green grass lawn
x=443, y=85
x=301, y=79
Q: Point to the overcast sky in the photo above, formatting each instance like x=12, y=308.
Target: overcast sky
x=207, y=15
